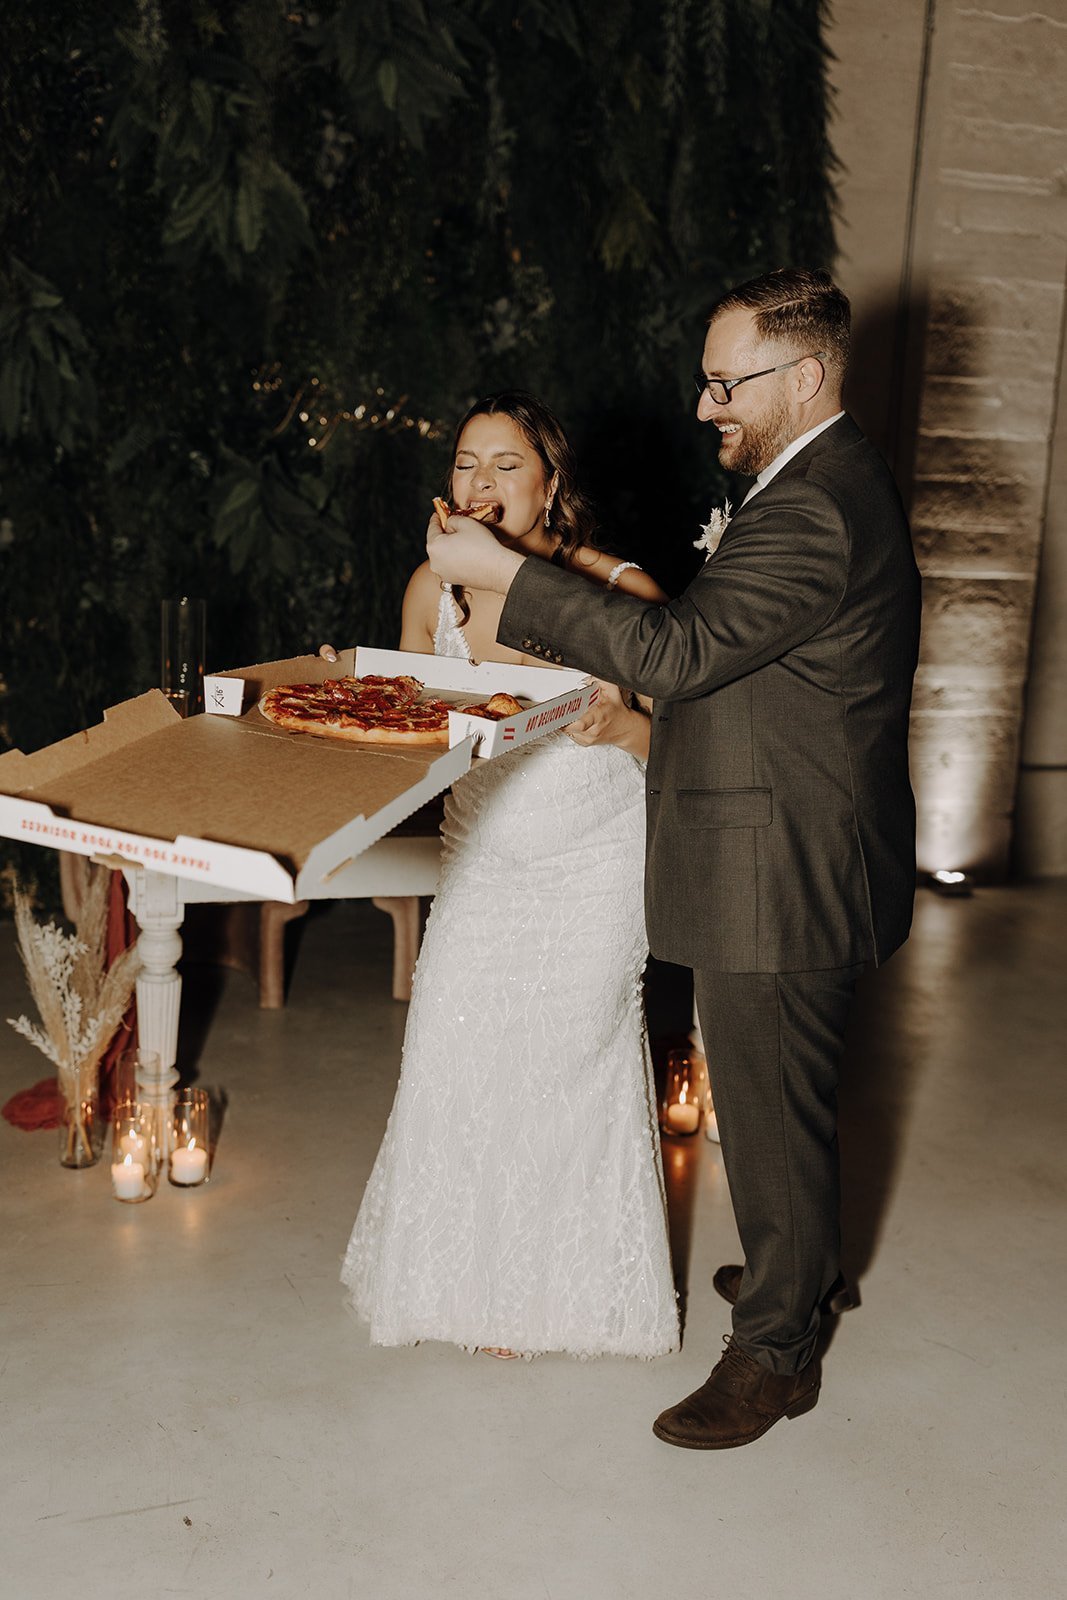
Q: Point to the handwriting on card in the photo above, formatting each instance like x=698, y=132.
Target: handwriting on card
x=223, y=696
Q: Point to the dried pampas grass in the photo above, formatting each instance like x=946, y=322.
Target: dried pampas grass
x=79, y=1002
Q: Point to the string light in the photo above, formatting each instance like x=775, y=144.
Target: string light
x=325, y=421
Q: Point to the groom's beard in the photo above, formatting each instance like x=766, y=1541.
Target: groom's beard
x=760, y=442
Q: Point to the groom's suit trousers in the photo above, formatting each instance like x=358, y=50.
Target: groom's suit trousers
x=774, y=1045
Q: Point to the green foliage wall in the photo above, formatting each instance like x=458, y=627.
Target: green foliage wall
x=219, y=218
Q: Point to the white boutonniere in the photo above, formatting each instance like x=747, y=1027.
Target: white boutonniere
x=714, y=529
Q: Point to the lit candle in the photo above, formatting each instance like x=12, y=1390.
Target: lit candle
x=188, y=1165
x=683, y=1118
x=132, y=1145
x=127, y=1179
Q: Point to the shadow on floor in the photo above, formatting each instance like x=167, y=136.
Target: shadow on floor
x=899, y=1008
x=217, y=938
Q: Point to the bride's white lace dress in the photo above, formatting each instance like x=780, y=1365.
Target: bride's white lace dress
x=517, y=1199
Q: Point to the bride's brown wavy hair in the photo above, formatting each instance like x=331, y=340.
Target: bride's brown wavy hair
x=573, y=517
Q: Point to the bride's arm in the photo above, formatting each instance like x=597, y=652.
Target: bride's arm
x=418, y=616
x=422, y=598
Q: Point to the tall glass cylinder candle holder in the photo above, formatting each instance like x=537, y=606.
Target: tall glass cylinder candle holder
x=80, y=1137
x=183, y=633
x=131, y=1068
x=679, y=1111
x=711, y=1121
x=135, y=1153
x=190, y=1118
x=155, y=1087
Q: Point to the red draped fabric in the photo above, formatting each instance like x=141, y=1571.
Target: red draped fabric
x=121, y=933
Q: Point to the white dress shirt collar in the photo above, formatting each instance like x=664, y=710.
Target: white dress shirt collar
x=763, y=478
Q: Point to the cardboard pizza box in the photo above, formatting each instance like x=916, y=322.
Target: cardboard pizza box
x=233, y=801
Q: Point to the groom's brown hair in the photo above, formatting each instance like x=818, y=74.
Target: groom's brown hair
x=796, y=306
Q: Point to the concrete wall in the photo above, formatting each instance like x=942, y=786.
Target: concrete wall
x=950, y=125
x=1040, y=840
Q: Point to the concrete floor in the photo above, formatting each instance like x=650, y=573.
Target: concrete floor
x=188, y=1410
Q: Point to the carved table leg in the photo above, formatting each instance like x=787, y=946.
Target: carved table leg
x=157, y=904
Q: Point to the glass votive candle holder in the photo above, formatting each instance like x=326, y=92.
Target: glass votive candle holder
x=189, y=1129
x=134, y=1153
x=133, y=1068
x=679, y=1110
x=711, y=1121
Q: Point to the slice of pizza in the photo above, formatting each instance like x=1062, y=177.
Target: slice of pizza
x=480, y=510
x=496, y=708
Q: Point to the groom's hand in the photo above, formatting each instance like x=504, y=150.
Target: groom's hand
x=468, y=554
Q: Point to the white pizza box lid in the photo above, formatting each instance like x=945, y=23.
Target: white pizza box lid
x=232, y=802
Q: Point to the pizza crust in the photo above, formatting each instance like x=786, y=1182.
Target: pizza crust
x=351, y=735
x=496, y=708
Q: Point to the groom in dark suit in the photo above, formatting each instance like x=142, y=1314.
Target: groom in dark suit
x=781, y=825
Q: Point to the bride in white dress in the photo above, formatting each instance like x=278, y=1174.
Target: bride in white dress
x=517, y=1201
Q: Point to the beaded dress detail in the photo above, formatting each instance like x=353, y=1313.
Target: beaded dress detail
x=517, y=1199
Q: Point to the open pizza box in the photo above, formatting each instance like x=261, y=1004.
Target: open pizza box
x=235, y=802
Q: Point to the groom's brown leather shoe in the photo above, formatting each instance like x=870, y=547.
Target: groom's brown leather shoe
x=739, y=1402
x=838, y=1298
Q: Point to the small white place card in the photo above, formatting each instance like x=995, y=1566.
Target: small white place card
x=223, y=696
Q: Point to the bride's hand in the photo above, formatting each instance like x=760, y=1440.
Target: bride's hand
x=327, y=652
x=612, y=721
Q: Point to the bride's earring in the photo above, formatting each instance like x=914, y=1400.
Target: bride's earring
x=553, y=486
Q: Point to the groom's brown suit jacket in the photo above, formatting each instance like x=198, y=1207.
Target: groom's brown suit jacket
x=781, y=824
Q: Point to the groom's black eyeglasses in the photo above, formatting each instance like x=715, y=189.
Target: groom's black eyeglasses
x=720, y=389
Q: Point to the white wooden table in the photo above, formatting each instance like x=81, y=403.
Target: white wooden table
x=391, y=869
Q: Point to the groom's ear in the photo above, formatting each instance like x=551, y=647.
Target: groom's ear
x=810, y=377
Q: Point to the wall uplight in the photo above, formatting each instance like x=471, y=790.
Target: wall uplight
x=951, y=882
